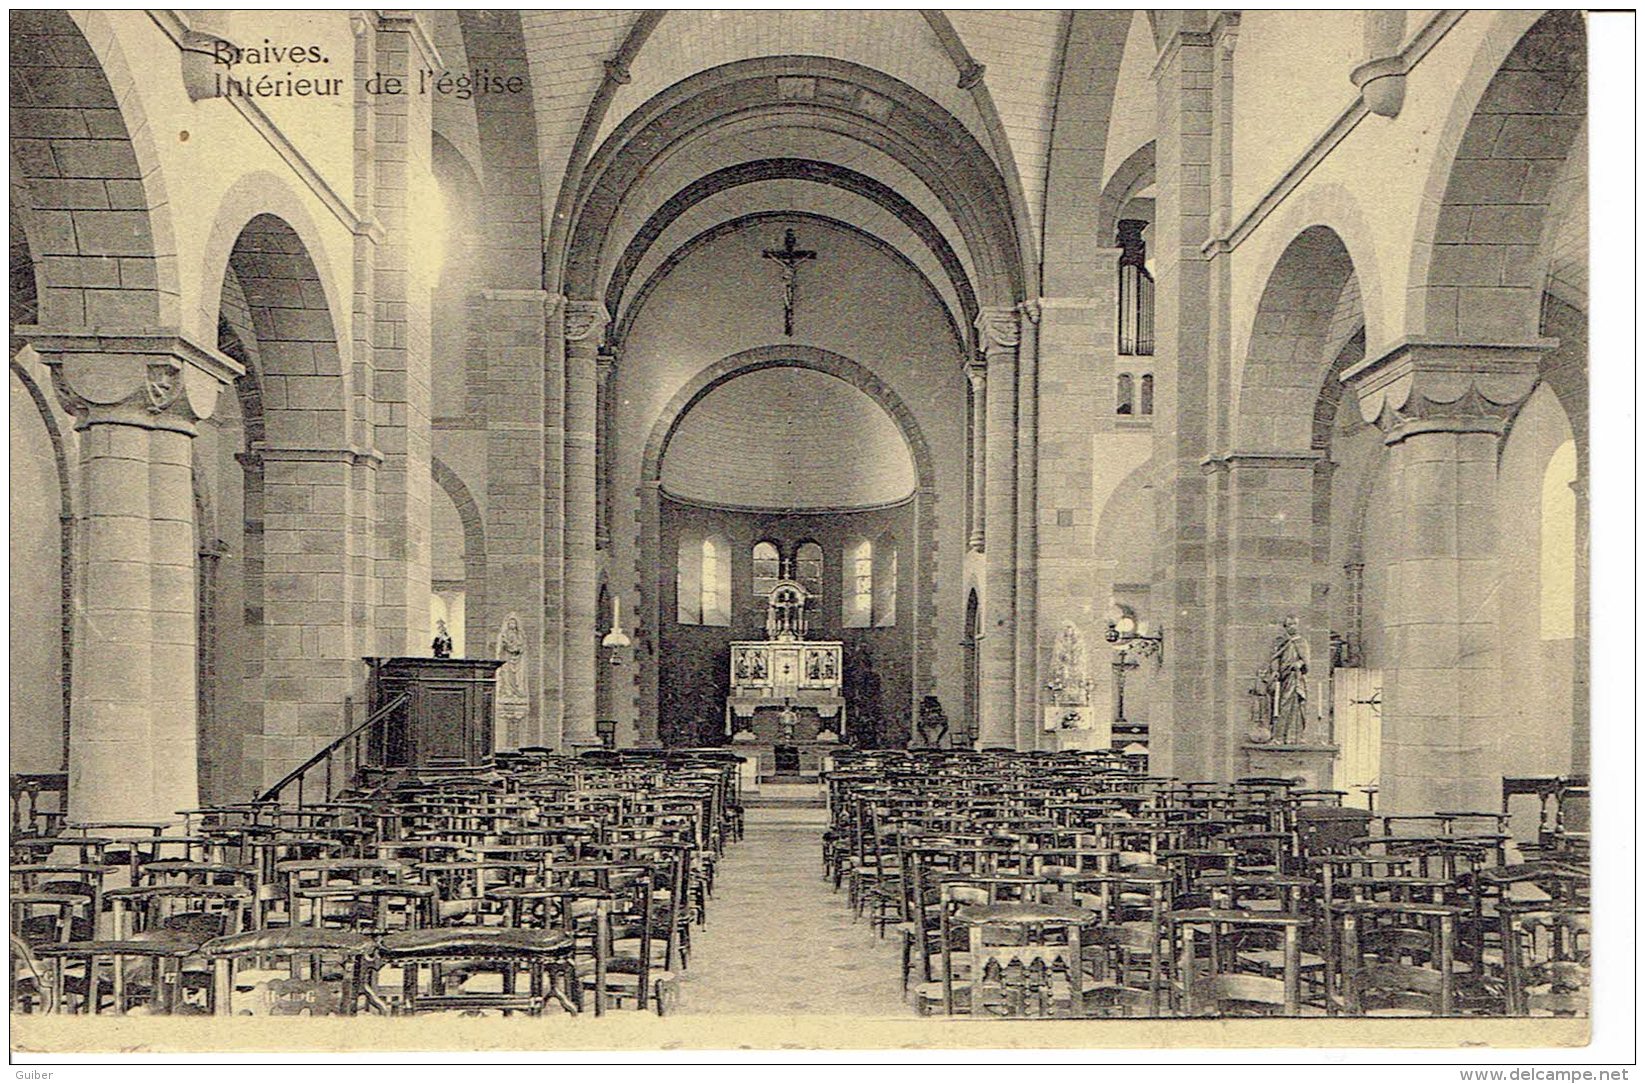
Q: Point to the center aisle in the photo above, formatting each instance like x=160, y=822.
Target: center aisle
x=779, y=940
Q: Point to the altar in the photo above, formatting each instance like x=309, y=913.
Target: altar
x=785, y=690
x=786, y=709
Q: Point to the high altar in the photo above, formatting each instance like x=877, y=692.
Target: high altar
x=786, y=697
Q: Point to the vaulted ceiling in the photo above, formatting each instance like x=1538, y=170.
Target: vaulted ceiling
x=928, y=130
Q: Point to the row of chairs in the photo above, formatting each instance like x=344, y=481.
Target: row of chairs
x=1075, y=885
x=535, y=882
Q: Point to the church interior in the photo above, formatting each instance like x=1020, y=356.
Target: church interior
x=1069, y=514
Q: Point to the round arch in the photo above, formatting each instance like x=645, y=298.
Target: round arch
x=59, y=78
x=66, y=536
x=1309, y=309
x=474, y=543
x=254, y=195
x=1132, y=176
x=925, y=498
x=625, y=316
x=1515, y=120
x=896, y=119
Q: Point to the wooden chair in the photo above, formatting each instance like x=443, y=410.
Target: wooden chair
x=1027, y=959
x=324, y=972
x=1217, y=981
x=140, y=973
x=437, y=967
x=1398, y=959
x=1546, y=957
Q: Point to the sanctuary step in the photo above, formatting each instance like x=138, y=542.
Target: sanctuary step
x=786, y=796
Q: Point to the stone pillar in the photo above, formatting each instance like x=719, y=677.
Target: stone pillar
x=1072, y=331
x=512, y=325
x=403, y=183
x=649, y=617
x=136, y=398
x=1179, y=725
x=1443, y=408
x=1027, y=653
x=584, y=325
x=605, y=378
x=1581, y=655
x=977, y=373
x=1262, y=550
x=998, y=338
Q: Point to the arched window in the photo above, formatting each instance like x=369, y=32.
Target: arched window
x=688, y=580
x=857, y=585
x=1558, y=558
x=885, y=583
x=716, y=586
x=1145, y=398
x=703, y=580
x=808, y=569
x=1124, y=395
x=767, y=568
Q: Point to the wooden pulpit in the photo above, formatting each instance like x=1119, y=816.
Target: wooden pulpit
x=447, y=718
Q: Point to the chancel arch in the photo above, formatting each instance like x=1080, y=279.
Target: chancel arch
x=777, y=495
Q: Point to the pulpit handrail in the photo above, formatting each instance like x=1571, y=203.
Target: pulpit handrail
x=327, y=754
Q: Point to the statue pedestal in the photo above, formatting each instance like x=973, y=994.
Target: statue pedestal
x=1313, y=764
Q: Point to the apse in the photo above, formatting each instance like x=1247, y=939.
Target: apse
x=788, y=438
x=787, y=473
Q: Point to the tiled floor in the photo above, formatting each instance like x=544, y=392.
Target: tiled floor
x=780, y=941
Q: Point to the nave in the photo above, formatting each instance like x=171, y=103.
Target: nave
x=989, y=885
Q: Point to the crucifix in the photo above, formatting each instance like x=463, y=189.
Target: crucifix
x=790, y=258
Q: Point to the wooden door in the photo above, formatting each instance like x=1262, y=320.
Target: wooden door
x=1357, y=707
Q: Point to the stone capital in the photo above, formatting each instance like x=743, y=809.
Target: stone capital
x=1431, y=386
x=605, y=362
x=152, y=378
x=410, y=22
x=585, y=321
x=976, y=371
x=998, y=329
x=1312, y=459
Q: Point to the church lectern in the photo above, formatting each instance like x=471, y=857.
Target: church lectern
x=447, y=718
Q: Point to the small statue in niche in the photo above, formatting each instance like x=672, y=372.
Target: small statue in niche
x=1284, y=684
x=931, y=729
x=442, y=640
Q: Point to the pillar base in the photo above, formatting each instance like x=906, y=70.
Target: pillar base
x=1314, y=765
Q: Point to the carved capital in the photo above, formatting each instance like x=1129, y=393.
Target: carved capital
x=585, y=321
x=605, y=362
x=1425, y=386
x=149, y=378
x=976, y=371
x=998, y=329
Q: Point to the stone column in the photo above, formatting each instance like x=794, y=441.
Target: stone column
x=1581, y=654
x=1027, y=658
x=584, y=325
x=136, y=398
x=998, y=338
x=605, y=377
x=977, y=373
x=1262, y=549
x=1179, y=725
x=400, y=158
x=1443, y=408
x=512, y=325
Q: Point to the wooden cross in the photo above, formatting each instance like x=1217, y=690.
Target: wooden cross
x=790, y=258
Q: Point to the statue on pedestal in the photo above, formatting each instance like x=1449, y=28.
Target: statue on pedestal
x=1283, y=686
x=931, y=729
x=513, y=701
x=442, y=641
